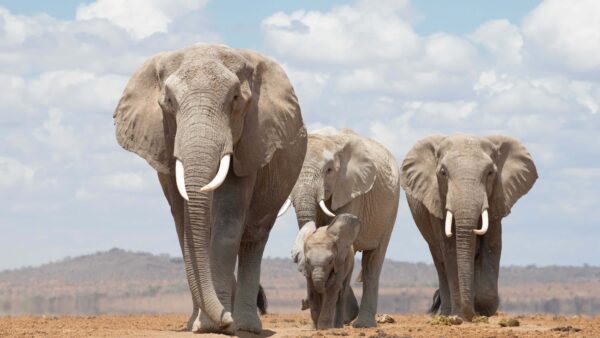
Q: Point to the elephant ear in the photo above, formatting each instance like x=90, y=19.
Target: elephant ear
x=344, y=228
x=272, y=121
x=298, y=255
x=138, y=118
x=418, y=174
x=357, y=172
x=516, y=174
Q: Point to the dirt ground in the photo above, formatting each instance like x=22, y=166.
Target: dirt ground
x=297, y=325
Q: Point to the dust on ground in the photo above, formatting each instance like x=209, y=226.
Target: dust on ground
x=299, y=325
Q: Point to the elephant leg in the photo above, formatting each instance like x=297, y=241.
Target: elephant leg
x=245, y=310
x=169, y=187
x=350, y=310
x=371, y=263
x=341, y=311
x=444, y=290
x=330, y=302
x=230, y=204
x=487, y=267
x=316, y=302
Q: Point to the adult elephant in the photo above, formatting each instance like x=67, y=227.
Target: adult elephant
x=459, y=188
x=223, y=129
x=346, y=173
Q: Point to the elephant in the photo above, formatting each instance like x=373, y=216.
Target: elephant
x=328, y=267
x=346, y=173
x=224, y=131
x=459, y=188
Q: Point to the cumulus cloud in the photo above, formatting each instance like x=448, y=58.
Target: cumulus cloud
x=567, y=34
x=14, y=173
x=140, y=18
x=502, y=39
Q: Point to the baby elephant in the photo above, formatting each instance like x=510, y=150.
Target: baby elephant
x=328, y=268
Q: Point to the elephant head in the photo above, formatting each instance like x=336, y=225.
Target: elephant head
x=466, y=181
x=337, y=168
x=200, y=113
x=327, y=248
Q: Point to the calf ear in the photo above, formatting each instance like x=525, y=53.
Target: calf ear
x=298, y=255
x=344, y=228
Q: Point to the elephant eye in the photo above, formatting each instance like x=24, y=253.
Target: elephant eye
x=328, y=170
x=235, y=97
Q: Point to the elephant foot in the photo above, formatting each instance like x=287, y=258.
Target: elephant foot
x=364, y=321
x=205, y=325
x=193, y=319
x=249, y=322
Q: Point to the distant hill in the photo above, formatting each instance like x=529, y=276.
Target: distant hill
x=119, y=281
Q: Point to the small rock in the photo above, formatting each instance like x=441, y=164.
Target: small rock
x=566, y=329
x=444, y=320
x=509, y=322
x=480, y=319
x=385, y=318
x=455, y=320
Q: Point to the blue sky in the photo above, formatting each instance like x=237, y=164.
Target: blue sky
x=395, y=72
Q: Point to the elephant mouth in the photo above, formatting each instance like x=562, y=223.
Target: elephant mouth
x=212, y=185
x=485, y=223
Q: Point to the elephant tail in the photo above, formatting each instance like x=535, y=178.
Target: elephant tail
x=261, y=301
x=437, y=302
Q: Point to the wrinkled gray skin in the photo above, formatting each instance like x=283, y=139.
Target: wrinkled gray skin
x=358, y=176
x=328, y=268
x=465, y=175
x=196, y=105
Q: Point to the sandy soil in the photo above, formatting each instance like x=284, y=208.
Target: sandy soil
x=297, y=325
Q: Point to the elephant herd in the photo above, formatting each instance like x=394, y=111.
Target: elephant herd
x=224, y=131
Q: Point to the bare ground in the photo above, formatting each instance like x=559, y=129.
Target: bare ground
x=297, y=325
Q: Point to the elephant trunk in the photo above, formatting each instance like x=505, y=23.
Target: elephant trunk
x=306, y=196
x=200, y=145
x=319, y=280
x=467, y=218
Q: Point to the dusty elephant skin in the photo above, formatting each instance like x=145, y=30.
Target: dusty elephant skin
x=459, y=188
x=328, y=264
x=346, y=173
x=223, y=129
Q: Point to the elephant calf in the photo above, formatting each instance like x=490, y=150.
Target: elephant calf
x=328, y=264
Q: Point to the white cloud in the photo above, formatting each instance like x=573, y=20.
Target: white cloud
x=501, y=39
x=372, y=49
x=126, y=181
x=344, y=35
x=567, y=33
x=15, y=29
x=14, y=173
x=140, y=18
x=61, y=139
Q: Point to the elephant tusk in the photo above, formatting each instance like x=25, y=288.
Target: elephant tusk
x=325, y=210
x=284, y=207
x=448, y=227
x=221, y=175
x=180, y=179
x=485, y=223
